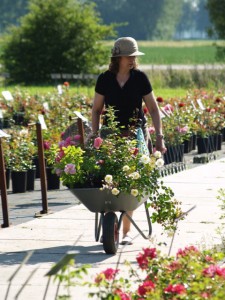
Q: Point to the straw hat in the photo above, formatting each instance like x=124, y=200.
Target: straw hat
x=125, y=46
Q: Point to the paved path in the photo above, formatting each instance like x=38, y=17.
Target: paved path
x=51, y=236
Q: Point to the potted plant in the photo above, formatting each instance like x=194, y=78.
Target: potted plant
x=176, y=131
x=22, y=150
x=117, y=165
x=53, y=181
x=209, y=123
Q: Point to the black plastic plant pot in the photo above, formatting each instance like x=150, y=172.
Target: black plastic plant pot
x=19, y=181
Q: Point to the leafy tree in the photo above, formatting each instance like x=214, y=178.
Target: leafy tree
x=187, y=20
x=169, y=16
x=202, y=16
x=194, y=18
x=55, y=37
x=216, y=10
x=141, y=19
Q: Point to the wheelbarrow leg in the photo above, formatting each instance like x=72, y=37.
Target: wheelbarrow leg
x=148, y=219
x=135, y=225
x=98, y=225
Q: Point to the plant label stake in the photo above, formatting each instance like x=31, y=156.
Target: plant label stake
x=3, y=188
x=177, y=220
x=42, y=171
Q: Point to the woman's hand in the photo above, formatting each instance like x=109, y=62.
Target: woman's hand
x=160, y=145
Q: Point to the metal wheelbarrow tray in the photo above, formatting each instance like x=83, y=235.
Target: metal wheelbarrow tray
x=103, y=202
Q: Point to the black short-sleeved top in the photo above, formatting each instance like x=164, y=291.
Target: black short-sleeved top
x=127, y=101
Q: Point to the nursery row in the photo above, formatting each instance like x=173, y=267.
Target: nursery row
x=196, y=121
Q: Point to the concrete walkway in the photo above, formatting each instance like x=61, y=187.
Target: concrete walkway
x=52, y=235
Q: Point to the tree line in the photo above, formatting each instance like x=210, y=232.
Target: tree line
x=143, y=19
x=66, y=36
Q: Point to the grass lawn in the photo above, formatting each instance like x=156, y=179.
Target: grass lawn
x=167, y=93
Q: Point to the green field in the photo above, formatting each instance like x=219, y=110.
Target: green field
x=177, y=52
x=174, y=52
x=181, y=55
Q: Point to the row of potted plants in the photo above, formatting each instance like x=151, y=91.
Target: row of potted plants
x=198, y=120
x=186, y=121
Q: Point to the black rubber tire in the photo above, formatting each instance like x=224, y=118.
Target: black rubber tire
x=110, y=233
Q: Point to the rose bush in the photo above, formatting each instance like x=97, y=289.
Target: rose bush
x=192, y=274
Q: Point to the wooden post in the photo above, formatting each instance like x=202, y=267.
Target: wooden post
x=3, y=188
x=81, y=131
x=42, y=170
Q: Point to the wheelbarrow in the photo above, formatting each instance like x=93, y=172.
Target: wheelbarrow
x=105, y=205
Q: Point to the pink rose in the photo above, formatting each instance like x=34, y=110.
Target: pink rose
x=97, y=142
x=70, y=169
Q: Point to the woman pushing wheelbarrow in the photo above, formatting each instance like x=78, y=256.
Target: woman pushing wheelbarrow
x=116, y=169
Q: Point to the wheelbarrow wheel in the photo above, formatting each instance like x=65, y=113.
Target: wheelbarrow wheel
x=110, y=233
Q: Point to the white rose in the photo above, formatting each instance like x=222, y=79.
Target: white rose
x=134, y=192
x=159, y=163
x=115, y=191
x=145, y=159
x=136, y=175
x=108, y=178
x=126, y=168
x=157, y=154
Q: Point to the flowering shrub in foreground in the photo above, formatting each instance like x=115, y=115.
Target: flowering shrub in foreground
x=192, y=275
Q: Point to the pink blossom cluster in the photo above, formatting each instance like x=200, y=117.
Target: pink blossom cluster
x=46, y=145
x=150, y=261
x=187, y=250
x=146, y=287
x=70, y=140
x=144, y=258
x=108, y=274
x=214, y=270
x=168, y=108
x=175, y=289
x=182, y=129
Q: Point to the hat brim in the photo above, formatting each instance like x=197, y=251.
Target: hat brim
x=136, y=53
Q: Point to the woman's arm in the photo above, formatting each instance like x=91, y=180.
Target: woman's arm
x=97, y=108
x=153, y=109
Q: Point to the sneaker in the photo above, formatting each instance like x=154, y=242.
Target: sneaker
x=127, y=240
